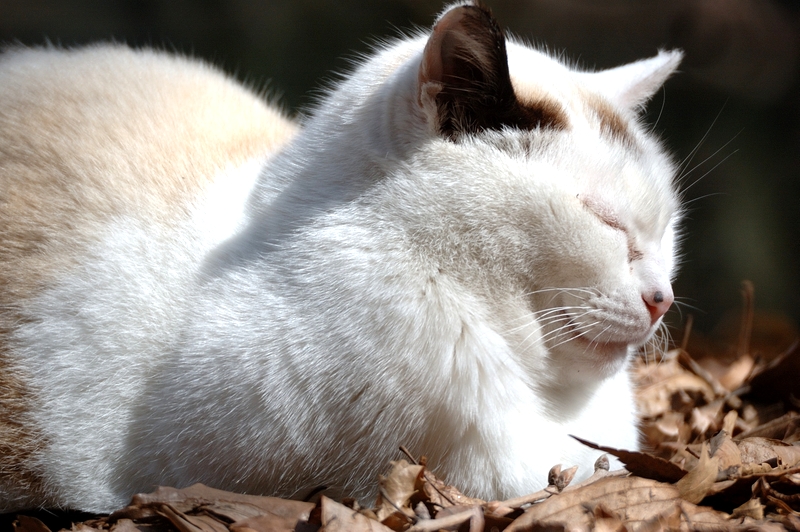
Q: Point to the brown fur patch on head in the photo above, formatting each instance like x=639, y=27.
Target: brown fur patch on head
x=612, y=125
x=550, y=113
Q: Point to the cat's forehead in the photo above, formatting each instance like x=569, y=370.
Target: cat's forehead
x=610, y=158
x=540, y=80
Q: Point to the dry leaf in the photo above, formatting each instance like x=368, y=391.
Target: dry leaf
x=659, y=382
x=123, y=525
x=729, y=422
x=737, y=373
x=752, y=508
x=779, y=428
x=760, y=450
x=339, y=518
x=669, y=427
x=397, y=487
x=631, y=498
x=443, y=495
x=604, y=520
x=29, y=524
x=698, y=481
x=642, y=464
x=727, y=452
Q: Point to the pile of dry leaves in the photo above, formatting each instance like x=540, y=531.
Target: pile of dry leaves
x=723, y=426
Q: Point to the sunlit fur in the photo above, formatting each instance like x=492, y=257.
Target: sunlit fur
x=291, y=319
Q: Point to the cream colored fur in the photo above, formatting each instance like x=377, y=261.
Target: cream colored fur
x=194, y=291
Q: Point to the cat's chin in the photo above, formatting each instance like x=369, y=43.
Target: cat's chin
x=603, y=350
x=605, y=358
x=607, y=351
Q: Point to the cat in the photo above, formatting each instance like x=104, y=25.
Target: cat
x=458, y=251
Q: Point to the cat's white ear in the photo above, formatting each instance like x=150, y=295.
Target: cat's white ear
x=464, y=84
x=633, y=84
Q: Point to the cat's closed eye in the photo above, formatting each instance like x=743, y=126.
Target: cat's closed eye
x=607, y=215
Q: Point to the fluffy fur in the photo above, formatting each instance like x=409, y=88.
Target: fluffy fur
x=458, y=252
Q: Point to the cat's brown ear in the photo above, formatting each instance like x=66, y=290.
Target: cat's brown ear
x=464, y=83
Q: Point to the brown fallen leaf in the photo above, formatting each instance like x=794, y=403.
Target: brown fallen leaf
x=190, y=523
x=339, y=518
x=631, y=498
x=698, y=481
x=642, y=464
x=752, y=508
x=726, y=451
x=729, y=422
x=200, y=508
x=780, y=428
x=397, y=487
x=659, y=382
x=604, y=520
x=443, y=495
x=29, y=524
x=760, y=450
x=227, y=503
x=738, y=372
x=123, y=525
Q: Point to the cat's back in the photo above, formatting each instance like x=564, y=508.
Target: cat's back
x=89, y=137
x=107, y=131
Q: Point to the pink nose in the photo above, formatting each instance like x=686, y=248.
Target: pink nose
x=658, y=303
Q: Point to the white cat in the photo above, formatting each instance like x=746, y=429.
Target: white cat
x=458, y=252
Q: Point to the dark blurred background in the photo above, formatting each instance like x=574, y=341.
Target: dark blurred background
x=733, y=114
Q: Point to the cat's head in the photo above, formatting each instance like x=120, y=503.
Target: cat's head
x=543, y=176
x=530, y=184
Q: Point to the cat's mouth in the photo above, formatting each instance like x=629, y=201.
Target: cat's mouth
x=590, y=343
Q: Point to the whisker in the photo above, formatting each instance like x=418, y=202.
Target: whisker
x=661, y=111
x=712, y=169
x=684, y=175
x=705, y=196
x=686, y=162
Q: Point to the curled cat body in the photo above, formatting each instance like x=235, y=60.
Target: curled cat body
x=459, y=251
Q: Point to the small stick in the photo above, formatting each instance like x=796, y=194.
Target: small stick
x=689, y=363
x=747, y=318
x=687, y=330
x=517, y=502
x=432, y=525
x=406, y=452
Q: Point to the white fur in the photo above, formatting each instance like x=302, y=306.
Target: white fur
x=378, y=286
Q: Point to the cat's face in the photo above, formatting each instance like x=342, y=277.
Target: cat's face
x=545, y=179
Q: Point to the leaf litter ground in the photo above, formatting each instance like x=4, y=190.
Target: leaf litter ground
x=720, y=417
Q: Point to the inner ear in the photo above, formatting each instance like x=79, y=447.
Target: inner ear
x=464, y=79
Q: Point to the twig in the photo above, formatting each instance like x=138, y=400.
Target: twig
x=747, y=318
x=687, y=330
x=406, y=452
x=689, y=363
x=531, y=498
x=432, y=525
